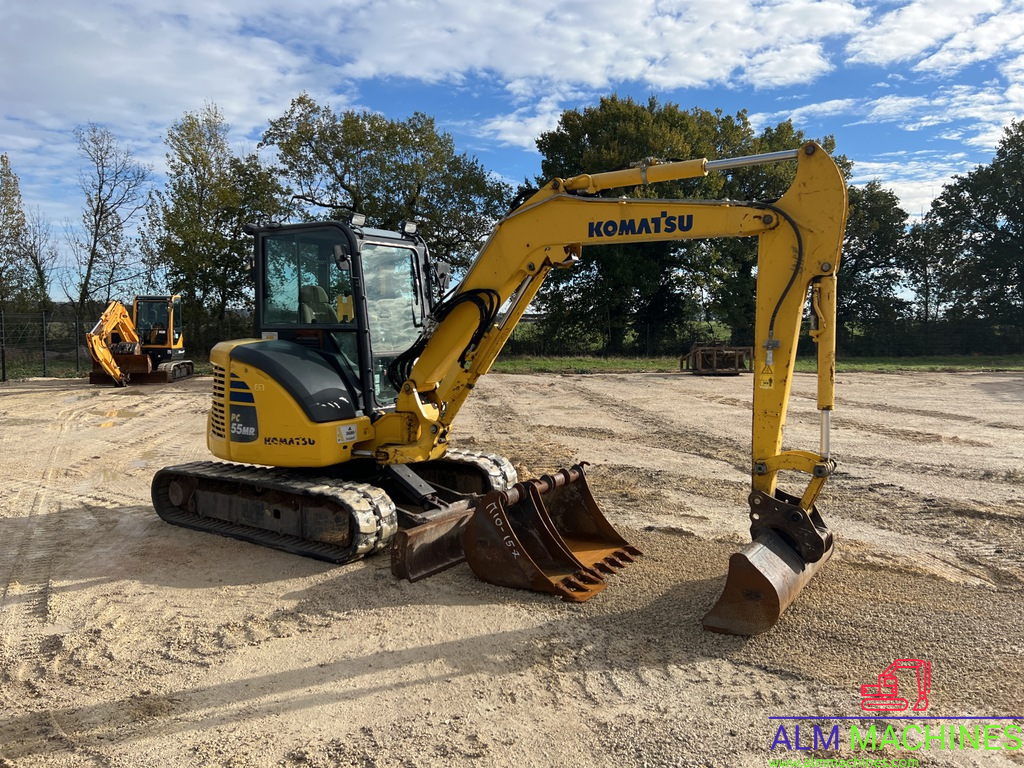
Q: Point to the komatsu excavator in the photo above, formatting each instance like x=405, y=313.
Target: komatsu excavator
x=349, y=396
x=146, y=346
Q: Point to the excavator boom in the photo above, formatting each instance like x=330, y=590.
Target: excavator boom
x=799, y=243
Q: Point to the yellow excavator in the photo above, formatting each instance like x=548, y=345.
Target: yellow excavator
x=146, y=346
x=348, y=397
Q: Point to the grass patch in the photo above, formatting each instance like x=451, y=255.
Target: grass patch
x=585, y=365
x=63, y=369
x=595, y=365
x=940, y=364
x=590, y=365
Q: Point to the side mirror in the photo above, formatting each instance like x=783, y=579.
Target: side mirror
x=442, y=275
x=341, y=256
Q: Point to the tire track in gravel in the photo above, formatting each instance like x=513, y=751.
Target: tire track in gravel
x=86, y=449
x=31, y=525
x=35, y=511
x=637, y=425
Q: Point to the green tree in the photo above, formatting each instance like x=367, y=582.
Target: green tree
x=624, y=294
x=14, y=272
x=390, y=171
x=922, y=266
x=193, y=237
x=114, y=185
x=871, y=271
x=977, y=226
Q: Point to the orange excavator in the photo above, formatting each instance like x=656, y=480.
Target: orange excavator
x=333, y=426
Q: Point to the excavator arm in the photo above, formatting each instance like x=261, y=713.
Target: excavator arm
x=115, y=321
x=799, y=243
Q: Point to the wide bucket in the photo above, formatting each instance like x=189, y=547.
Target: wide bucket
x=763, y=581
x=547, y=535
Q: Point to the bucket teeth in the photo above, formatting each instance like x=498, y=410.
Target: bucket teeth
x=547, y=535
x=576, y=590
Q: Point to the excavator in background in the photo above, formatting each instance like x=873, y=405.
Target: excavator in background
x=144, y=347
x=348, y=397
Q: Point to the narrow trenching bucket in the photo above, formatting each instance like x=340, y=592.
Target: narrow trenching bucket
x=767, y=575
x=547, y=535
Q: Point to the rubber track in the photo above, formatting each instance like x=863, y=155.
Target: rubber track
x=178, y=369
x=500, y=472
x=371, y=511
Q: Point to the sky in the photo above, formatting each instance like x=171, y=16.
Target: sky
x=913, y=91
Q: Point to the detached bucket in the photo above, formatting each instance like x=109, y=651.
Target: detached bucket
x=763, y=580
x=547, y=535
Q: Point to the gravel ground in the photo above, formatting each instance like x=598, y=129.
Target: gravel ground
x=128, y=642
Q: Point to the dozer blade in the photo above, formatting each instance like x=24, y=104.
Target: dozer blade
x=763, y=580
x=547, y=535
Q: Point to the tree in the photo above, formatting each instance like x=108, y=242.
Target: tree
x=977, y=223
x=193, y=235
x=922, y=266
x=114, y=185
x=870, y=275
x=622, y=293
x=41, y=256
x=13, y=227
x=390, y=171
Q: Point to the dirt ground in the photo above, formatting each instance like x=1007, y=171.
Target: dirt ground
x=128, y=642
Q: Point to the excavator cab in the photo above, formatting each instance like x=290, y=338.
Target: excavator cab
x=355, y=296
x=159, y=322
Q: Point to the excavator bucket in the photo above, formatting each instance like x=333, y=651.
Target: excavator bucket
x=547, y=535
x=767, y=575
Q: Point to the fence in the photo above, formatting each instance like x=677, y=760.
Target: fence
x=53, y=344
x=42, y=344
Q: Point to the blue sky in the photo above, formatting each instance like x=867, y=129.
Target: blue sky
x=914, y=92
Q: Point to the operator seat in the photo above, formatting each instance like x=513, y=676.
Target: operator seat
x=314, y=306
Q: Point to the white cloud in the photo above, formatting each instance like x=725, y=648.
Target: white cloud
x=501, y=72
x=896, y=108
x=791, y=65
x=997, y=37
x=806, y=113
x=914, y=28
x=915, y=177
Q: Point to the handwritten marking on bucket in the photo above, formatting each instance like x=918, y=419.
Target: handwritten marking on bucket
x=547, y=535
